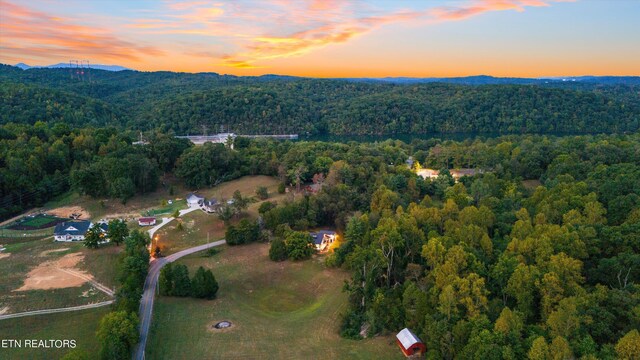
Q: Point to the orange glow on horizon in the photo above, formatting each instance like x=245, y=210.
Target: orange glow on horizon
x=325, y=39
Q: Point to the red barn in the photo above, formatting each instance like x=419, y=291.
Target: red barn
x=146, y=221
x=409, y=343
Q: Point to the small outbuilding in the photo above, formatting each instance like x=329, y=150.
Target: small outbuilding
x=146, y=221
x=410, y=343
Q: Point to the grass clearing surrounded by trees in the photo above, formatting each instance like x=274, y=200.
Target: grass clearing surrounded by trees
x=278, y=310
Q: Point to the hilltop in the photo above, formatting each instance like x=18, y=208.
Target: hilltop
x=271, y=104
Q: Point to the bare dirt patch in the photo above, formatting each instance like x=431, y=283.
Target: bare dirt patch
x=51, y=274
x=67, y=211
x=4, y=255
x=49, y=252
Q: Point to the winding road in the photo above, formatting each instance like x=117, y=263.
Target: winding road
x=150, y=284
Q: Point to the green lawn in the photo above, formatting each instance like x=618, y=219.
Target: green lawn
x=279, y=310
x=166, y=210
x=80, y=326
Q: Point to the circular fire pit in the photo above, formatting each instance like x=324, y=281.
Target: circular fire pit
x=222, y=325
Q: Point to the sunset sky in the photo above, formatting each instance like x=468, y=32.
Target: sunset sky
x=430, y=38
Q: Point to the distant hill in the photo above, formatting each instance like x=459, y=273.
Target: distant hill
x=24, y=66
x=274, y=104
x=491, y=80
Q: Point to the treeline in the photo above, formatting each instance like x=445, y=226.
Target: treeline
x=40, y=161
x=269, y=105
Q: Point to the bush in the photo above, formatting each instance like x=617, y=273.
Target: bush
x=262, y=192
x=211, y=252
x=281, y=188
x=350, y=327
x=278, y=250
x=266, y=206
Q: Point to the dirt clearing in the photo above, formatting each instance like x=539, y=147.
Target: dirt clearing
x=52, y=274
x=67, y=211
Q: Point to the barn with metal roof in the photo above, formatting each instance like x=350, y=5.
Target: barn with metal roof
x=410, y=343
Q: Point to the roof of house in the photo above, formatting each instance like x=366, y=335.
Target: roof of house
x=147, y=219
x=72, y=228
x=318, y=236
x=193, y=197
x=407, y=338
x=211, y=202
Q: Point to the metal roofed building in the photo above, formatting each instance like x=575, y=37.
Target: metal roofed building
x=410, y=343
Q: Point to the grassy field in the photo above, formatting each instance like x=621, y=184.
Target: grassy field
x=199, y=226
x=279, y=311
x=23, y=256
x=80, y=326
x=26, y=234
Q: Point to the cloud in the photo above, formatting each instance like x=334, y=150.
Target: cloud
x=477, y=7
x=322, y=25
x=237, y=34
x=37, y=35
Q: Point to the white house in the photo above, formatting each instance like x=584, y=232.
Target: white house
x=75, y=230
x=194, y=200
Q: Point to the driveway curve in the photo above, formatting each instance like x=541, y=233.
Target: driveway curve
x=150, y=285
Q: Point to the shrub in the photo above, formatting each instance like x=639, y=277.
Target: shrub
x=266, y=206
x=281, y=188
x=262, y=192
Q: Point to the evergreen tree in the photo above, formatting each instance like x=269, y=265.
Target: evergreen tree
x=278, y=250
x=181, y=281
x=165, y=280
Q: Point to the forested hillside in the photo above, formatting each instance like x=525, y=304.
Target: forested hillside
x=272, y=105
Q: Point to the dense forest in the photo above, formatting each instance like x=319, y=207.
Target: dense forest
x=487, y=267
x=182, y=103
x=537, y=256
